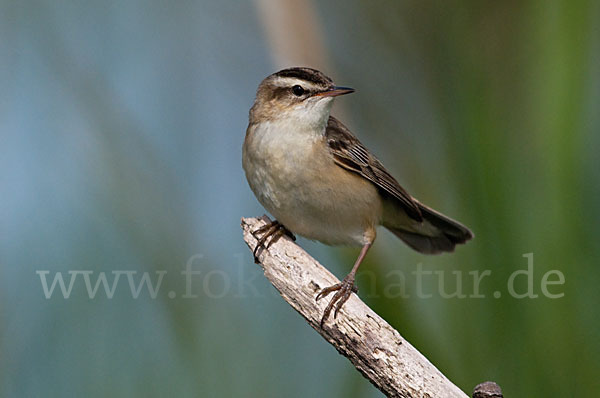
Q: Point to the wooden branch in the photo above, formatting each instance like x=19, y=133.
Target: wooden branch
x=375, y=348
x=488, y=389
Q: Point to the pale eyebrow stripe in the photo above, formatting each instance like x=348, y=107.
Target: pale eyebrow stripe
x=290, y=81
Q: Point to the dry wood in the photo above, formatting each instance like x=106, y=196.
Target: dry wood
x=375, y=348
x=487, y=389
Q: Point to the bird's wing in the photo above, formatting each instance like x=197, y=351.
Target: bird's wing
x=349, y=153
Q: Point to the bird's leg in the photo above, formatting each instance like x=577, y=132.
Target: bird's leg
x=344, y=288
x=274, y=230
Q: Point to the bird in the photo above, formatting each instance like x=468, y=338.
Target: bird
x=319, y=181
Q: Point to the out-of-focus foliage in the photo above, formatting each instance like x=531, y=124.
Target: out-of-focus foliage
x=121, y=126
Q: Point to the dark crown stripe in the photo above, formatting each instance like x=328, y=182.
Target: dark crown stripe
x=308, y=74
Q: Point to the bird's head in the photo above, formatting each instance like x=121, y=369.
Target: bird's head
x=300, y=95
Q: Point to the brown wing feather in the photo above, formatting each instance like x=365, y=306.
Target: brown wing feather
x=349, y=153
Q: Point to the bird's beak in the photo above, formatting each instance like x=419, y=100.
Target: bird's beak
x=335, y=91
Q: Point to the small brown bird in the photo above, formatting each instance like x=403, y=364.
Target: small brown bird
x=310, y=172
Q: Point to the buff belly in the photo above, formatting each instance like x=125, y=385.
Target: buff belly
x=298, y=182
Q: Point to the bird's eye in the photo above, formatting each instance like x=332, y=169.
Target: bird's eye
x=297, y=90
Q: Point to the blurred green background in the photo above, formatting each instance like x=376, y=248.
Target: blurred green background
x=121, y=125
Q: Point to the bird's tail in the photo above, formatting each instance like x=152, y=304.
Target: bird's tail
x=435, y=234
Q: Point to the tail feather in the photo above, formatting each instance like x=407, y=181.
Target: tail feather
x=445, y=235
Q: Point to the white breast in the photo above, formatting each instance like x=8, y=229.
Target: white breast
x=277, y=161
x=294, y=177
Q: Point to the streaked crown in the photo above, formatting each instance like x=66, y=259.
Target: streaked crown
x=294, y=92
x=309, y=75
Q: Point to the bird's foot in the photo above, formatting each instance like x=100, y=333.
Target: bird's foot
x=344, y=289
x=275, y=230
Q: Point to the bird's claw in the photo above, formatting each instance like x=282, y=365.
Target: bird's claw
x=275, y=230
x=344, y=289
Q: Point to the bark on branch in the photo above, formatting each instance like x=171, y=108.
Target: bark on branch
x=375, y=348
